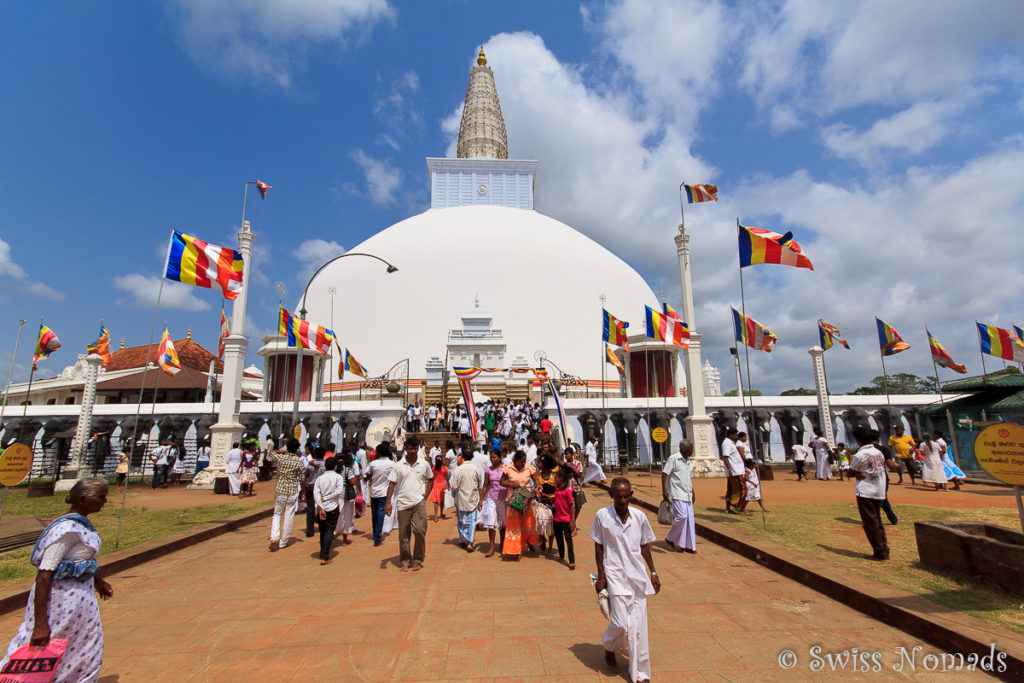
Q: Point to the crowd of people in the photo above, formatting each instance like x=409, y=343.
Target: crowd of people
x=507, y=421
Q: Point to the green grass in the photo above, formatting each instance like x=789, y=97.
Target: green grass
x=832, y=532
x=140, y=525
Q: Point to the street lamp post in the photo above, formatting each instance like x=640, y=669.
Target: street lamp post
x=302, y=316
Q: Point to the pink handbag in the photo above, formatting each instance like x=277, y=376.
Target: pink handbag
x=360, y=509
x=34, y=664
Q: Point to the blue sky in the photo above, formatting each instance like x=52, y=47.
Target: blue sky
x=891, y=148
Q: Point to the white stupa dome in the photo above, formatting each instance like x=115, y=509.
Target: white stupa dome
x=538, y=278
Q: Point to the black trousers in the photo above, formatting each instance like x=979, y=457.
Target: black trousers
x=870, y=517
x=563, y=537
x=310, y=512
x=800, y=469
x=327, y=531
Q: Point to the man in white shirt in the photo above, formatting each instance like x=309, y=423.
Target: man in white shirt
x=800, y=460
x=734, y=469
x=822, y=465
x=594, y=471
x=677, y=487
x=465, y=428
x=328, y=491
x=410, y=482
x=377, y=473
x=159, y=456
x=315, y=468
x=203, y=457
x=233, y=468
x=622, y=537
x=531, y=451
x=432, y=418
x=467, y=487
x=868, y=466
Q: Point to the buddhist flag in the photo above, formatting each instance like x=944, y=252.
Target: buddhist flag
x=695, y=194
x=941, y=357
x=667, y=329
x=889, y=340
x=1001, y=343
x=829, y=334
x=614, y=330
x=353, y=366
x=1019, y=332
x=752, y=333
x=302, y=333
x=263, y=187
x=225, y=332
x=195, y=262
x=168, y=357
x=764, y=246
x=614, y=360
x=45, y=345
x=101, y=347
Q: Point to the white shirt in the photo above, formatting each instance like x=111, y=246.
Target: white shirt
x=941, y=443
x=799, y=452
x=591, y=452
x=464, y=425
x=203, y=454
x=410, y=482
x=161, y=454
x=432, y=413
x=434, y=452
x=869, y=461
x=328, y=491
x=820, y=446
x=531, y=455
x=733, y=459
x=624, y=568
x=378, y=472
x=466, y=484
x=233, y=460
x=680, y=477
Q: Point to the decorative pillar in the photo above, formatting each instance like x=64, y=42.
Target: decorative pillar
x=74, y=471
x=824, y=407
x=698, y=424
x=228, y=428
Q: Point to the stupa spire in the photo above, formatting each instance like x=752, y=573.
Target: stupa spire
x=482, y=131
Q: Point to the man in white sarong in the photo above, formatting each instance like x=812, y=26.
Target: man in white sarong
x=233, y=468
x=622, y=537
x=822, y=464
x=594, y=471
x=677, y=486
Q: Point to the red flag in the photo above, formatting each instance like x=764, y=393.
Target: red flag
x=225, y=331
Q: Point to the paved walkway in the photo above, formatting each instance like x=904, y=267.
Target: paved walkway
x=229, y=610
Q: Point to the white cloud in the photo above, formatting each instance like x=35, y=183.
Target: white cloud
x=314, y=253
x=397, y=110
x=10, y=269
x=267, y=38
x=143, y=291
x=382, y=178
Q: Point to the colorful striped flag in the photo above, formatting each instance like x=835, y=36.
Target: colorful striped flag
x=941, y=357
x=195, y=262
x=45, y=345
x=354, y=366
x=830, y=333
x=614, y=360
x=889, y=340
x=614, y=330
x=465, y=378
x=263, y=187
x=542, y=375
x=225, y=332
x=1001, y=343
x=1019, y=332
x=101, y=347
x=752, y=333
x=667, y=329
x=302, y=333
x=168, y=357
x=695, y=194
x=764, y=246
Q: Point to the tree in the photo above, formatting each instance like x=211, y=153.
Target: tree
x=752, y=392
x=899, y=383
x=799, y=392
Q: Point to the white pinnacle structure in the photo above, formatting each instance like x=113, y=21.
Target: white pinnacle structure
x=482, y=131
x=75, y=469
x=824, y=407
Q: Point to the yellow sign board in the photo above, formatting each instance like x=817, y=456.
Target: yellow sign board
x=297, y=432
x=15, y=462
x=999, y=450
x=660, y=435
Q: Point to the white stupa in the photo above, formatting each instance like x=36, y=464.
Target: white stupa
x=481, y=239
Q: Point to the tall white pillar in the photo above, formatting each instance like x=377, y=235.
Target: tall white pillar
x=698, y=424
x=74, y=471
x=824, y=407
x=228, y=428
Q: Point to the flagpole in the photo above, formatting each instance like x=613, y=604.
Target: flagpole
x=330, y=370
x=888, y=401
x=28, y=394
x=604, y=361
x=984, y=372
x=664, y=405
x=754, y=433
x=10, y=374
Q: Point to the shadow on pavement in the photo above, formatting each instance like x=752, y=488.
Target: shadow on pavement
x=592, y=656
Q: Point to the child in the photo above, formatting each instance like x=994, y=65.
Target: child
x=844, y=461
x=753, y=484
x=440, y=485
x=564, y=515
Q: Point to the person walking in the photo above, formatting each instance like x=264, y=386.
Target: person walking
x=202, y=457
x=520, y=525
x=315, y=469
x=800, y=461
x=564, y=516
x=822, y=464
x=622, y=546
x=677, y=487
x=286, y=494
x=348, y=468
x=933, y=472
x=233, y=468
x=377, y=473
x=594, y=471
x=949, y=467
x=733, y=461
x=492, y=511
x=903, y=447
x=410, y=481
x=328, y=493
x=439, y=486
x=868, y=466
x=159, y=456
x=468, y=489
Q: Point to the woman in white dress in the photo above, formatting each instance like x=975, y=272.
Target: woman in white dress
x=66, y=586
x=933, y=470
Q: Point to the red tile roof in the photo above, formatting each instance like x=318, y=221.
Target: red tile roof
x=190, y=354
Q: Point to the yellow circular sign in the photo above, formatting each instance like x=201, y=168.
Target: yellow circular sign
x=999, y=450
x=660, y=435
x=15, y=462
x=297, y=432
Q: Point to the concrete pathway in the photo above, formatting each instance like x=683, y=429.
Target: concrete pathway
x=229, y=610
